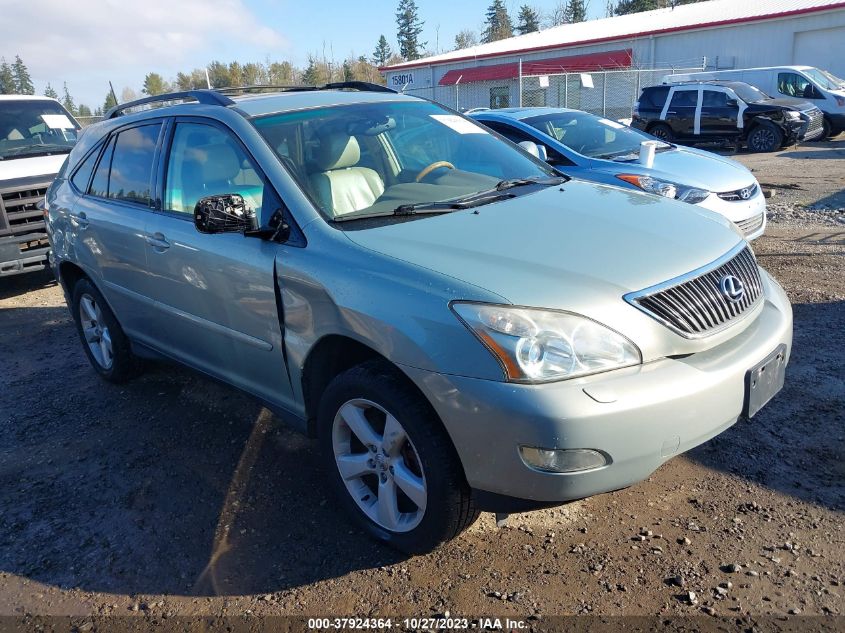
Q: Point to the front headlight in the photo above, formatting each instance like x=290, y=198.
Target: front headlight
x=536, y=345
x=665, y=188
x=792, y=115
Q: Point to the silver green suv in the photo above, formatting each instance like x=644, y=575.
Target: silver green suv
x=461, y=326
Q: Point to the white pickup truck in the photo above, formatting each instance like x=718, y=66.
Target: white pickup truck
x=36, y=135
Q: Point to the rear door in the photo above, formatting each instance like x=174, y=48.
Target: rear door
x=216, y=294
x=680, y=112
x=108, y=222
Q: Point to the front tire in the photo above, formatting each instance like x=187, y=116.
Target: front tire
x=662, y=132
x=765, y=138
x=390, y=462
x=103, y=340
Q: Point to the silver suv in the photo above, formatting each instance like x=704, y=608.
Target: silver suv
x=461, y=326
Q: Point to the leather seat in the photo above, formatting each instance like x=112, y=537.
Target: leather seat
x=340, y=185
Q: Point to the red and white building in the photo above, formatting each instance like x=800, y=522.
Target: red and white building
x=715, y=34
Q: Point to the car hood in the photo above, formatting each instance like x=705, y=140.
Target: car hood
x=13, y=168
x=793, y=103
x=691, y=167
x=579, y=247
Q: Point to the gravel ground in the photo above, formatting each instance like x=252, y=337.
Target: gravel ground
x=174, y=495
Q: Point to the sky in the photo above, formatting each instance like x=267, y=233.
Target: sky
x=86, y=43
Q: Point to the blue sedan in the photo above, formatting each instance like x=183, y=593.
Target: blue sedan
x=594, y=148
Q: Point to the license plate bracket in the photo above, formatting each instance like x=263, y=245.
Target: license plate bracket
x=764, y=381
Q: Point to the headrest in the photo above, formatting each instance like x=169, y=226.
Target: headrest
x=338, y=151
x=220, y=162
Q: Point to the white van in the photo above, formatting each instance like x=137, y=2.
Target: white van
x=36, y=135
x=819, y=87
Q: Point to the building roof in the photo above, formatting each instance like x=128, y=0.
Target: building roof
x=570, y=64
x=625, y=27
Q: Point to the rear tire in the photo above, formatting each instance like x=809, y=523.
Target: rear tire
x=765, y=138
x=402, y=481
x=662, y=132
x=103, y=340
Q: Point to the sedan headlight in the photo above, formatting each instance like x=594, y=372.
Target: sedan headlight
x=665, y=188
x=536, y=345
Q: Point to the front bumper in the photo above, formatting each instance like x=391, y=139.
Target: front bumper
x=23, y=254
x=640, y=416
x=749, y=215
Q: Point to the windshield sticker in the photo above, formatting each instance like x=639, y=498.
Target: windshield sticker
x=613, y=124
x=58, y=121
x=459, y=124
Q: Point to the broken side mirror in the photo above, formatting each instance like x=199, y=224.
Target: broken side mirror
x=226, y=213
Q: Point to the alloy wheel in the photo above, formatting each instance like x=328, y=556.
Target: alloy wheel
x=379, y=465
x=763, y=139
x=95, y=331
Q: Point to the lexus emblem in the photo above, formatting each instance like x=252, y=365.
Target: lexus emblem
x=732, y=288
x=745, y=194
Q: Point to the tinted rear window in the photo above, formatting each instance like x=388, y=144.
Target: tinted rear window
x=654, y=97
x=132, y=164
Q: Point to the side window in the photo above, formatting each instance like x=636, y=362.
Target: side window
x=714, y=99
x=83, y=173
x=656, y=97
x=794, y=85
x=100, y=183
x=205, y=161
x=132, y=164
x=510, y=133
x=684, y=99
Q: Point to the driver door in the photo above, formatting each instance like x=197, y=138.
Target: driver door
x=215, y=295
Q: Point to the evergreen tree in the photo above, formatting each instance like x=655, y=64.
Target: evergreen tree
x=624, y=7
x=315, y=74
x=49, y=92
x=110, y=102
x=408, y=29
x=382, y=52
x=7, y=79
x=576, y=11
x=23, y=82
x=529, y=20
x=499, y=24
x=465, y=39
x=154, y=84
x=348, y=75
x=83, y=110
x=67, y=101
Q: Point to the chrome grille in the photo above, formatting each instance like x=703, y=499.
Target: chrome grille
x=752, y=224
x=734, y=196
x=19, y=206
x=695, y=305
x=814, y=127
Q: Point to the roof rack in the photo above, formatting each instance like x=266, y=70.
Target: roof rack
x=217, y=96
x=209, y=97
x=362, y=86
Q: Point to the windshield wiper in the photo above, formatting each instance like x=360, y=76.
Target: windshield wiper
x=36, y=150
x=546, y=181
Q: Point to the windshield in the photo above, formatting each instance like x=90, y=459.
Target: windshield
x=35, y=127
x=748, y=93
x=369, y=159
x=591, y=135
x=824, y=79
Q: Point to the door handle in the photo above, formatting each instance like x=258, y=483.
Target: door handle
x=157, y=241
x=79, y=220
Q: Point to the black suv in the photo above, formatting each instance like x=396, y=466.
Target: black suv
x=726, y=112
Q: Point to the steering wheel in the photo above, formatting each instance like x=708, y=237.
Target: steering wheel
x=435, y=165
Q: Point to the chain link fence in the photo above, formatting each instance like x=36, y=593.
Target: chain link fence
x=610, y=93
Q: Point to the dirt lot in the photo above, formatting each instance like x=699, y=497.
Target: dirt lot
x=174, y=495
